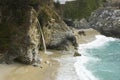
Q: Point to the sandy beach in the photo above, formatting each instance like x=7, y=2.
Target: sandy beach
x=46, y=70
x=88, y=36
x=49, y=66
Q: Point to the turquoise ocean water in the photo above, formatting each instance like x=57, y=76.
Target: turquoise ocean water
x=103, y=56
x=100, y=60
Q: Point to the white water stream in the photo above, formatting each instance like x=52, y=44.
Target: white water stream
x=43, y=39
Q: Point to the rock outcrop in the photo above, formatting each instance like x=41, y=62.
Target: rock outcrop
x=81, y=24
x=57, y=34
x=20, y=34
x=78, y=24
x=24, y=38
x=106, y=20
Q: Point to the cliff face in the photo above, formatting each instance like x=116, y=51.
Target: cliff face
x=24, y=37
x=22, y=27
x=57, y=33
x=107, y=21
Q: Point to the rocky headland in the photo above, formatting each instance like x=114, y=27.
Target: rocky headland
x=30, y=26
x=106, y=20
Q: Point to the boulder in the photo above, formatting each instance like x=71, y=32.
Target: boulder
x=59, y=36
x=76, y=54
x=81, y=24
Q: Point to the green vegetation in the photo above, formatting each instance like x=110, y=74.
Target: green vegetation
x=8, y=33
x=80, y=8
x=4, y=36
x=46, y=13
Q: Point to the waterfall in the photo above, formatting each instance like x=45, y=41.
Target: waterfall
x=43, y=39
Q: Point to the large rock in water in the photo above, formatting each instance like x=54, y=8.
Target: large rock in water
x=106, y=20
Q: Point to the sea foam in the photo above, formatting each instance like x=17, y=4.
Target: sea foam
x=74, y=68
x=99, y=41
x=80, y=68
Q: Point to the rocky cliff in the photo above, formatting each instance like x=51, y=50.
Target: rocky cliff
x=22, y=24
x=106, y=20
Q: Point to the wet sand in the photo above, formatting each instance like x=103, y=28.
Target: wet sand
x=49, y=66
x=46, y=71
x=88, y=36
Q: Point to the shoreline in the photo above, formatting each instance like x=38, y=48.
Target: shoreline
x=46, y=71
x=88, y=36
x=67, y=69
x=48, y=67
